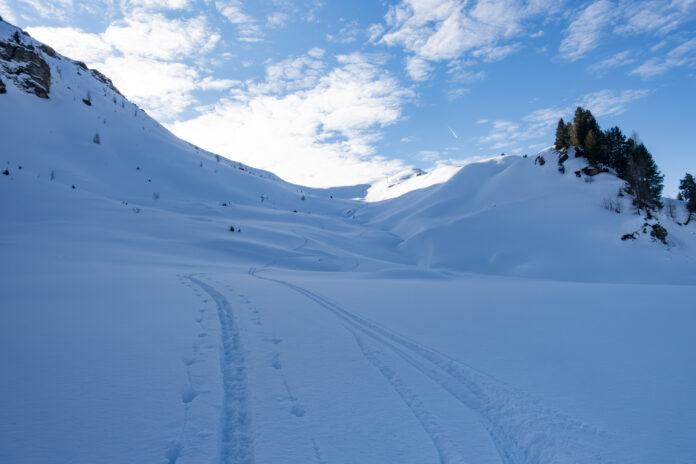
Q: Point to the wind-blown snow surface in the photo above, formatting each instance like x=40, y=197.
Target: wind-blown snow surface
x=496, y=317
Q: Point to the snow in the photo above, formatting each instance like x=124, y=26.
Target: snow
x=492, y=314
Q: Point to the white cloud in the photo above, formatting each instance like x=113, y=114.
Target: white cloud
x=233, y=11
x=293, y=74
x=584, y=33
x=541, y=123
x=155, y=36
x=74, y=43
x=210, y=83
x=654, y=16
x=446, y=30
x=143, y=54
x=609, y=102
x=628, y=17
x=159, y=4
x=347, y=34
x=278, y=19
x=163, y=89
x=684, y=54
x=7, y=13
x=491, y=54
x=620, y=59
x=418, y=68
x=321, y=136
x=57, y=9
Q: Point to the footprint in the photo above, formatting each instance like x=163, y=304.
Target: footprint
x=188, y=394
x=173, y=451
x=297, y=410
x=275, y=361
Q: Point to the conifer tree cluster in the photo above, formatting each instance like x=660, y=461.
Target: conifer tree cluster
x=611, y=149
x=687, y=192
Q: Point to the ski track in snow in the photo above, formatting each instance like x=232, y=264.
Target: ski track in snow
x=444, y=446
x=236, y=444
x=522, y=430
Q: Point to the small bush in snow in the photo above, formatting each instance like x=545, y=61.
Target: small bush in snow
x=96, y=139
x=53, y=175
x=156, y=195
x=612, y=204
x=659, y=233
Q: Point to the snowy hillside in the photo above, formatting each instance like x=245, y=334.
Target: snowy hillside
x=161, y=304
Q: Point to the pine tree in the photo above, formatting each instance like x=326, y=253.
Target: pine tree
x=614, y=148
x=687, y=190
x=562, y=135
x=583, y=122
x=644, y=179
x=577, y=137
x=592, y=148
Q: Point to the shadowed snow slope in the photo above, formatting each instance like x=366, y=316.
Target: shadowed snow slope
x=164, y=305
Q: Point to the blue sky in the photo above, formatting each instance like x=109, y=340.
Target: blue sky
x=327, y=92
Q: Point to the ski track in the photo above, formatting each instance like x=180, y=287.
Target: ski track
x=444, y=446
x=522, y=430
x=236, y=444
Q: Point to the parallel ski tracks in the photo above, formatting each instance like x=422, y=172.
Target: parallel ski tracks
x=236, y=444
x=521, y=430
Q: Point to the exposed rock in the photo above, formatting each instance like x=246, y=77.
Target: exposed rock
x=2, y=87
x=25, y=67
x=48, y=50
x=593, y=171
x=630, y=236
x=104, y=80
x=563, y=158
x=540, y=160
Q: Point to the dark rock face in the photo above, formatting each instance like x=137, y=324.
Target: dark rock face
x=26, y=67
x=2, y=87
x=593, y=171
x=104, y=80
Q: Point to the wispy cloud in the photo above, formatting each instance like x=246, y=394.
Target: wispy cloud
x=417, y=68
x=446, y=30
x=610, y=103
x=623, y=58
x=6, y=12
x=540, y=123
x=682, y=55
x=584, y=33
x=248, y=27
x=347, y=34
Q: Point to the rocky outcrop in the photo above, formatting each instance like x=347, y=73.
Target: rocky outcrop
x=104, y=80
x=25, y=66
x=2, y=87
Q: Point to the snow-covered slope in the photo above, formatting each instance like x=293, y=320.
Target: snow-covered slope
x=494, y=317
x=512, y=216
